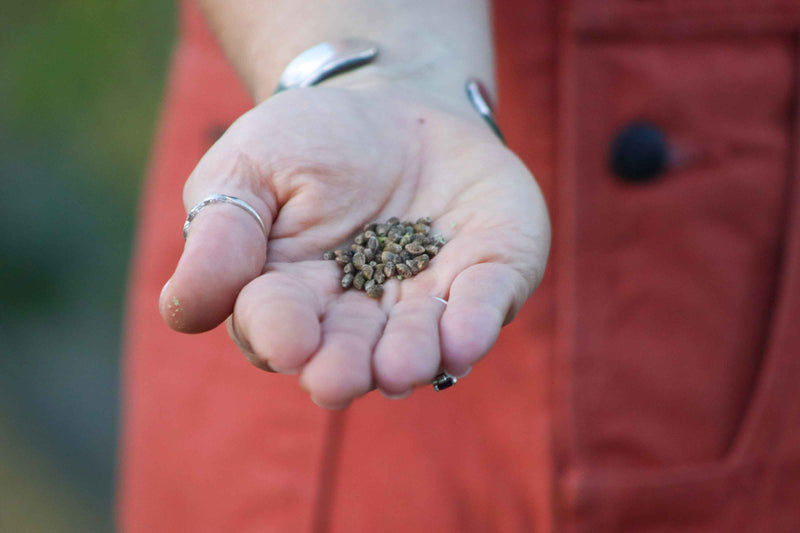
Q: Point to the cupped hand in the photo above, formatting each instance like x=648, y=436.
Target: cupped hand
x=317, y=164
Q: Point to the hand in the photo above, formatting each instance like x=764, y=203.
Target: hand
x=318, y=164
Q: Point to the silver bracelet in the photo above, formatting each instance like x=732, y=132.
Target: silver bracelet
x=325, y=60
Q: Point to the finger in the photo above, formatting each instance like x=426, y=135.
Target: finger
x=226, y=246
x=225, y=249
x=408, y=352
x=244, y=346
x=341, y=369
x=482, y=299
x=277, y=316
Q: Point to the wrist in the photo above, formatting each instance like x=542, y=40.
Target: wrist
x=430, y=46
x=435, y=82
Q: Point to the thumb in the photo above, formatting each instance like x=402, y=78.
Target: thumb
x=225, y=249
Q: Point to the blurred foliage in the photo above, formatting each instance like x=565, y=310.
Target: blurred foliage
x=89, y=74
x=80, y=92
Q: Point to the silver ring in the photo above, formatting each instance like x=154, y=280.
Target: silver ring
x=444, y=381
x=222, y=199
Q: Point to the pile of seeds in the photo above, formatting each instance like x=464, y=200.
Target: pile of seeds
x=382, y=251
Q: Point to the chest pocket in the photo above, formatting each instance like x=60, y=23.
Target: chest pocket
x=682, y=156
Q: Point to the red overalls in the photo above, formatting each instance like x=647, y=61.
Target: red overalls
x=651, y=384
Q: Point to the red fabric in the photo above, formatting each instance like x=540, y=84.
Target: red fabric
x=650, y=385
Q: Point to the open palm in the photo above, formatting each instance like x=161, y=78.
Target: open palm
x=317, y=164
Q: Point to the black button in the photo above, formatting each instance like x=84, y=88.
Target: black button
x=639, y=152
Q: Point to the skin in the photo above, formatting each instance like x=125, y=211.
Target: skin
x=318, y=164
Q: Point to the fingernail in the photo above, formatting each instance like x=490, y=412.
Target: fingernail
x=331, y=407
x=266, y=367
x=286, y=371
x=464, y=373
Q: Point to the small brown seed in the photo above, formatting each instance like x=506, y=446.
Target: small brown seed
x=367, y=270
x=358, y=281
x=403, y=270
x=394, y=234
x=372, y=243
x=415, y=248
x=347, y=281
x=393, y=247
x=375, y=291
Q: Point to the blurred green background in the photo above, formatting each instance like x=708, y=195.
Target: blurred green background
x=80, y=92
